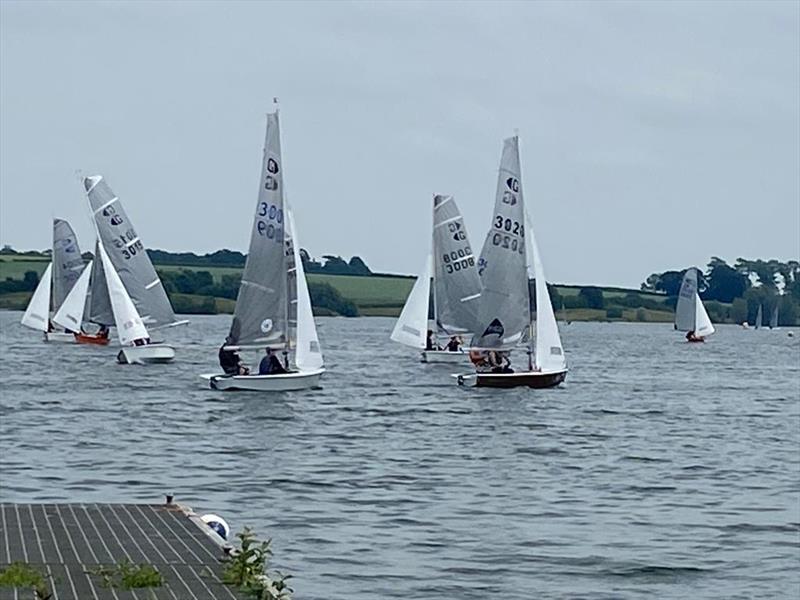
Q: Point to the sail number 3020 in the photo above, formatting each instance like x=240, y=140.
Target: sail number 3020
x=510, y=234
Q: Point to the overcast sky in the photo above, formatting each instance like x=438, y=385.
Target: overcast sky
x=653, y=135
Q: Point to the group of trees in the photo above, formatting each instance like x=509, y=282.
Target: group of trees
x=744, y=287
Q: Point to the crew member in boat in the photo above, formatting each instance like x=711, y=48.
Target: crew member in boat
x=230, y=361
x=691, y=337
x=478, y=358
x=270, y=364
x=431, y=343
x=454, y=345
x=102, y=332
x=500, y=362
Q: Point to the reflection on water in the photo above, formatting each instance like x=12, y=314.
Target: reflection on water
x=661, y=469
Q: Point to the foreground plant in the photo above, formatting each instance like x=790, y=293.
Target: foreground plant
x=247, y=570
x=128, y=576
x=21, y=575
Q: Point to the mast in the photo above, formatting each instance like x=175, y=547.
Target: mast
x=433, y=256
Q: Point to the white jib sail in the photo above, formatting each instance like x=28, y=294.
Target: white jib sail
x=702, y=321
x=38, y=312
x=548, y=351
x=308, y=354
x=129, y=324
x=411, y=328
x=70, y=315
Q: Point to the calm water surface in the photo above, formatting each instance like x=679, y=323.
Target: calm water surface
x=660, y=469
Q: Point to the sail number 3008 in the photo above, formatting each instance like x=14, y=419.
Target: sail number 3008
x=271, y=213
x=514, y=241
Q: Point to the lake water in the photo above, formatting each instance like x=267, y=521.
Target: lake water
x=659, y=470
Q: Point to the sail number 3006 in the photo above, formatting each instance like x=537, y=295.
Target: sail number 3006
x=270, y=212
x=510, y=234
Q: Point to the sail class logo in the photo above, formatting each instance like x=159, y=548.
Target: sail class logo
x=272, y=165
x=266, y=325
x=495, y=328
x=513, y=184
x=270, y=183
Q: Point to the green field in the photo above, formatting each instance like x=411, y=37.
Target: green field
x=14, y=268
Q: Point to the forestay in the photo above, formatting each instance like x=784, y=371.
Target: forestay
x=67, y=261
x=261, y=314
x=127, y=253
x=457, y=285
x=308, y=354
x=37, y=315
x=504, y=312
x=99, y=304
x=70, y=315
x=129, y=324
x=412, y=325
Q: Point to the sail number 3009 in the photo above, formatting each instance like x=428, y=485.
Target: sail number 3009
x=510, y=234
x=270, y=212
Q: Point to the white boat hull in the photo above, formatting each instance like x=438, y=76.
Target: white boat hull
x=530, y=379
x=443, y=356
x=60, y=337
x=147, y=354
x=283, y=382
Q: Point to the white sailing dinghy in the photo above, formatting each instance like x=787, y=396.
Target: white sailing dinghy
x=129, y=261
x=456, y=288
x=273, y=307
x=690, y=314
x=131, y=330
x=56, y=283
x=773, y=319
x=505, y=304
x=759, y=316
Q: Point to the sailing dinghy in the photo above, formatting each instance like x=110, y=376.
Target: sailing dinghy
x=273, y=306
x=128, y=260
x=759, y=316
x=773, y=319
x=57, y=281
x=505, y=305
x=456, y=289
x=137, y=349
x=690, y=314
x=88, y=302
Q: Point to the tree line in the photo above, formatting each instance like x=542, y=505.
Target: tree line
x=735, y=292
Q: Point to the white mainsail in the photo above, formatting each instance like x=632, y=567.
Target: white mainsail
x=456, y=283
x=773, y=319
x=412, y=325
x=759, y=317
x=37, y=315
x=308, y=354
x=690, y=314
x=70, y=315
x=504, y=313
x=128, y=255
x=129, y=324
x=548, y=351
x=261, y=316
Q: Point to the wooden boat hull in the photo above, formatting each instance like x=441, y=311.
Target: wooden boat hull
x=145, y=355
x=284, y=382
x=59, y=337
x=443, y=356
x=82, y=338
x=530, y=379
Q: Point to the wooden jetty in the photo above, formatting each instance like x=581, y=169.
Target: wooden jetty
x=70, y=544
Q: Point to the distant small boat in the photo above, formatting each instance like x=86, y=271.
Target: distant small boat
x=456, y=289
x=273, y=307
x=759, y=317
x=55, y=284
x=504, y=312
x=773, y=319
x=690, y=314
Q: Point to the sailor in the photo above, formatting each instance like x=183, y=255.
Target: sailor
x=691, y=337
x=454, y=345
x=229, y=360
x=500, y=362
x=270, y=364
x=431, y=343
